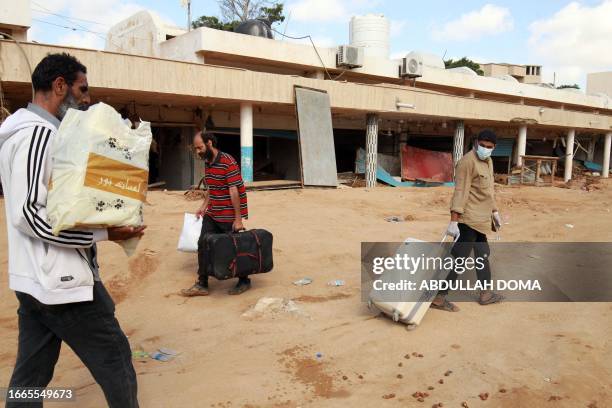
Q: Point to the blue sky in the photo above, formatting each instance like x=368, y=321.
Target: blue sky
x=567, y=38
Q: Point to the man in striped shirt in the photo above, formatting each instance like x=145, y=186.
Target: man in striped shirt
x=224, y=207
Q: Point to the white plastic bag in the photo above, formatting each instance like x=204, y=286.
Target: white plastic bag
x=100, y=171
x=192, y=227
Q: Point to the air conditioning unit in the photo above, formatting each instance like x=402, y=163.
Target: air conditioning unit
x=411, y=67
x=349, y=56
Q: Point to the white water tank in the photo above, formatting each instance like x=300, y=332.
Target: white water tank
x=372, y=33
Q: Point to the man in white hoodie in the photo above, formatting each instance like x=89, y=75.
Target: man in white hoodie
x=55, y=278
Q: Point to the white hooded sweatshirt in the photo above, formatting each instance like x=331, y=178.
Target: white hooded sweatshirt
x=53, y=269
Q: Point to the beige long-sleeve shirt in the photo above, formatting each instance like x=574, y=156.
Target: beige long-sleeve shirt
x=474, y=198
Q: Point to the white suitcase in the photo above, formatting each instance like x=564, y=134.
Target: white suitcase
x=409, y=313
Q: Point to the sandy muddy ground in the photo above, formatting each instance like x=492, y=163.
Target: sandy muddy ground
x=540, y=354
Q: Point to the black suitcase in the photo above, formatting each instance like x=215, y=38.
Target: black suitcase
x=238, y=254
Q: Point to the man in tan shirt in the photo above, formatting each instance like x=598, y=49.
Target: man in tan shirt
x=473, y=212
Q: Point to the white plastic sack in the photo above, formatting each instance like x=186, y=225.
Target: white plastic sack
x=192, y=227
x=100, y=171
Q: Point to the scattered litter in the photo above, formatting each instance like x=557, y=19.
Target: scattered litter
x=337, y=282
x=393, y=218
x=484, y=396
x=547, y=379
x=569, y=225
x=163, y=354
x=449, y=372
x=319, y=356
x=388, y=396
x=268, y=306
x=140, y=354
x=167, y=351
x=303, y=282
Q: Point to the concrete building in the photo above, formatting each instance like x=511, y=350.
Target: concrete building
x=526, y=74
x=15, y=19
x=242, y=88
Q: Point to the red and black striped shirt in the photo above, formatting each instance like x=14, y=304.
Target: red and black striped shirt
x=222, y=174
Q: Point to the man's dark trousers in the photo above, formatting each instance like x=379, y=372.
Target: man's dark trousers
x=93, y=333
x=210, y=226
x=470, y=239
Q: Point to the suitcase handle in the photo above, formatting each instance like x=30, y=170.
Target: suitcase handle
x=233, y=266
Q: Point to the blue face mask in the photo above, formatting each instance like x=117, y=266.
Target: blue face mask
x=483, y=153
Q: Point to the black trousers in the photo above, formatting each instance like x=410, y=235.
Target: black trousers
x=92, y=332
x=471, y=240
x=210, y=226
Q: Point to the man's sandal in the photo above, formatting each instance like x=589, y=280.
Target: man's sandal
x=446, y=306
x=495, y=298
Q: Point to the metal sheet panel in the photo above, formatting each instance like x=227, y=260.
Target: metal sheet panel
x=503, y=148
x=316, y=138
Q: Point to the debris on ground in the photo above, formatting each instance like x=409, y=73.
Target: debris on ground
x=163, y=354
x=484, y=396
x=336, y=282
x=393, y=218
x=139, y=354
x=269, y=306
x=303, y=282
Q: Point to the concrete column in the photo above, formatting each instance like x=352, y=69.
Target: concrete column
x=606, y=155
x=458, y=143
x=246, y=141
x=591, y=148
x=371, y=149
x=521, y=146
x=569, y=154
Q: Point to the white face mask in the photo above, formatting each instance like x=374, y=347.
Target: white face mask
x=483, y=153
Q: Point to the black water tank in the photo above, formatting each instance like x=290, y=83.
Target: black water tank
x=258, y=28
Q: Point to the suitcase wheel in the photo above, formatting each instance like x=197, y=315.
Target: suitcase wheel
x=411, y=326
x=370, y=306
x=396, y=316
